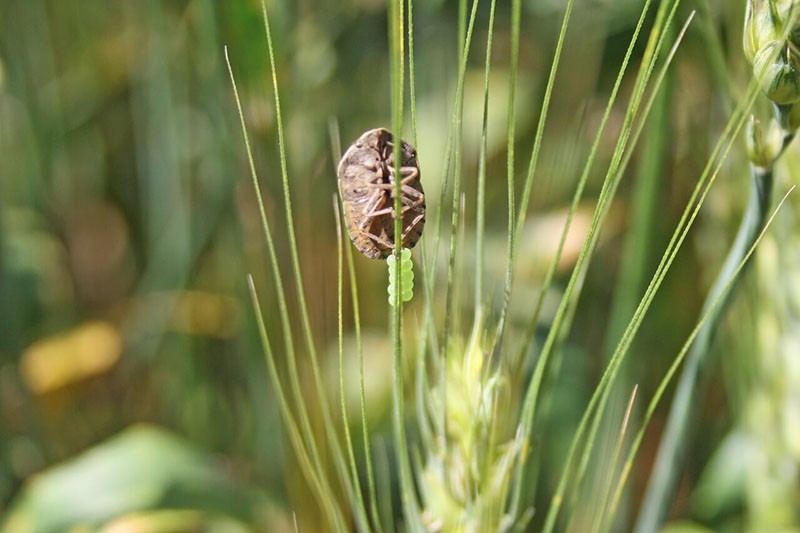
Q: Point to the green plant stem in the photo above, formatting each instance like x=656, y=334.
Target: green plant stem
x=481, y=194
x=661, y=487
x=407, y=492
x=530, y=400
x=306, y=447
x=359, y=505
x=516, y=15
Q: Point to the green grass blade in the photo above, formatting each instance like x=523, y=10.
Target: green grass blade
x=296, y=388
x=531, y=395
x=537, y=145
x=412, y=73
x=712, y=309
x=516, y=9
x=601, y=391
x=358, y=504
x=397, y=61
x=656, y=95
x=456, y=134
x=605, y=495
x=481, y=195
x=373, y=498
x=693, y=206
x=514, y=235
x=674, y=441
x=631, y=278
x=316, y=479
x=330, y=432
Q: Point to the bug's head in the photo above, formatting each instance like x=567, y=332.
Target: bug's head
x=409, y=155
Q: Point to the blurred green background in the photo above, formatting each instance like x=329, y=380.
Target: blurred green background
x=128, y=225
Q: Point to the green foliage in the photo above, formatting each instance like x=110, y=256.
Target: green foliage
x=141, y=469
x=570, y=156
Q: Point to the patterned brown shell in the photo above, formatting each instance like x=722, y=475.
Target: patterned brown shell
x=367, y=189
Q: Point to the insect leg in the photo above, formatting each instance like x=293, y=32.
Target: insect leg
x=419, y=218
x=377, y=239
x=409, y=174
x=374, y=203
x=408, y=203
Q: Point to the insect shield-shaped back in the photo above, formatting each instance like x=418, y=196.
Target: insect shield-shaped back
x=367, y=177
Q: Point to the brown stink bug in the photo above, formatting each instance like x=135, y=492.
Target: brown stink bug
x=367, y=188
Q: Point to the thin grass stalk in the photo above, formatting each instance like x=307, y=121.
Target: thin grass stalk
x=632, y=275
x=336, y=150
x=358, y=504
x=537, y=145
x=605, y=494
x=680, y=233
x=685, y=350
x=656, y=95
x=429, y=263
x=428, y=329
x=462, y=29
x=661, y=486
x=693, y=205
x=684, y=225
x=440, y=359
x=715, y=52
x=327, y=418
x=294, y=380
x=407, y=491
x=456, y=130
x=529, y=403
x=481, y=193
x=675, y=437
x=615, y=170
x=316, y=479
x=383, y=475
x=516, y=9
x=534, y=319
x=371, y=485
x=412, y=75
x=292, y=238
x=423, y=422
x=517, y=363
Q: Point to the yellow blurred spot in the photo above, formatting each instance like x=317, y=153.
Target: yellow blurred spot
x=55, y=362
x=205, y=313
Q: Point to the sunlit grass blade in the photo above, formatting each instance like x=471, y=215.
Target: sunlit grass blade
x=516, y=9
x=481, y=193
x=456, y=155
x=679, y=359
x=371, y=485
x=309, y=439
x=397, y=61
x=531, y=394
x=612, y=470
x=656, y=94
x=693, y=206
x=359, y=502
x=336, y=151
x=534, y=159
x=316, y=478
